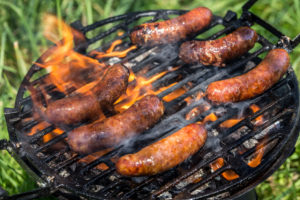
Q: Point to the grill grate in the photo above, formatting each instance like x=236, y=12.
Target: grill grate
x=61, y=169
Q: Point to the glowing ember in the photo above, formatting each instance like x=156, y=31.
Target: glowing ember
x=256, y=160
x=230, y=123
x=94, y=156
x=228, y=174
x=38, y=128
x=258, y=120
x=52, y=134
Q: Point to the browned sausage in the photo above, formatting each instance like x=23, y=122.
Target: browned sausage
x=173, y=30
x=79, y=107
x=252, y=83
x=164, y=154
x=113, y=130
x=217, y=52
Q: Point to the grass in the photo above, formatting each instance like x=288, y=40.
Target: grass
x=21, y=43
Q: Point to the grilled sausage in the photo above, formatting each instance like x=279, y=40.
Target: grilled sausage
x=252, y=83
x=79, y=107
x=164, y=154
x=112, y=131
x=173, y=30
x=217, y=52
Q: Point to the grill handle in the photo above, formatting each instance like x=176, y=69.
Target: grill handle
x=284, y=42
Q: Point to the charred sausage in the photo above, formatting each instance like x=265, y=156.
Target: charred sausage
x=80, y=107
x=173, y=30
x=252, y=83
x=164, y=154
x=217, y=52
x=113, y=130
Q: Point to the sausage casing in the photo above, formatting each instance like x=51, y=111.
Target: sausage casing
x=173, y=30
x=82, y=107
x=164, y=154
x=113, y=130
x=252, y=83
x=217, y=52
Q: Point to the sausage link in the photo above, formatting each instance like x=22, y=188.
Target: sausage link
x=173, y=30
x=217, y=52
x=252, y=83
x=164, y=154
x=79, y=107
x=112, y=131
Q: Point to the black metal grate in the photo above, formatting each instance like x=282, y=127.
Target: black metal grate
x=60, y=169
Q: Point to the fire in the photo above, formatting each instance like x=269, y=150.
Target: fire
x=258, y=120
x=138, y=87
x=52, y=134
x=94, y=156
x=175, y=94
x=256, y=160
x=67, y=68
x=230, y=123
x=38, y=127
x=228, y=174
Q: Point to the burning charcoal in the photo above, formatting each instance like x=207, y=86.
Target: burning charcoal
x=201, y=189
x=194, y=178
x=64, y=173
x=165, y=196
x=96, y=188
x=250, y=143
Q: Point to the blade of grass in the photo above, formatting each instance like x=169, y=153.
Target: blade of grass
x=22, y=66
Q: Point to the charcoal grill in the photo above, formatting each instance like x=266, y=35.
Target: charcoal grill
x=59, y=172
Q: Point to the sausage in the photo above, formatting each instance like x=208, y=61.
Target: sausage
x=252, y=83
x=83, y=107
x=164, y=154
x=217, y=52
x=113, y=130
x=173, y=30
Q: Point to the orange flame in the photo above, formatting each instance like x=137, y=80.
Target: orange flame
x=258, y=120
x=139, y=87
x=228, y=174
x=230, y=123
x=38, y=127
x=256, y=160
x=69, y=69
x=94, y=156
x=52, y=134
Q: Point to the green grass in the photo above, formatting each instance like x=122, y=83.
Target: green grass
x=21, y=43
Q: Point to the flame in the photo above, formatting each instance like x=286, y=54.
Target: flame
x=52, y=134
x=256, y=160
x=210, y=118
x=228, y=174
x=94, y=156
x=138, y=87
x=175, y=94
x=38, y=127
x=67, y=68
x=258, y=120
x=230, y=123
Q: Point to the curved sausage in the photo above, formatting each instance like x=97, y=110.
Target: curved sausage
x=113, y=130
x=164, y=154
x=80, y=107
x=173, y=30
x=217, y=52
x=252, y=83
